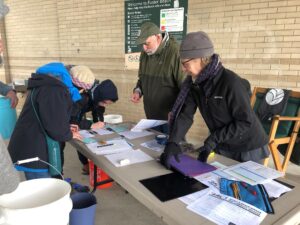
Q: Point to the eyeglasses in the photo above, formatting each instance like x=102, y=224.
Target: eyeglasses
x=185, y=62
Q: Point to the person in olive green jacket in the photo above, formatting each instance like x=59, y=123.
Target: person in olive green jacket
x=160, y=74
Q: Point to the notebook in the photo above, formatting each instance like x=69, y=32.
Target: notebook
x=190, y=167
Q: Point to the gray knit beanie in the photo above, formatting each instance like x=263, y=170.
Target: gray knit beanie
x=196, y=45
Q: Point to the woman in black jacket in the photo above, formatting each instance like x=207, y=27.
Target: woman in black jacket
x=223, y=100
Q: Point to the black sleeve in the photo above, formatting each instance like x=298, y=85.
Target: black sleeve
x=54, y=106
x=98, y=114
x=184, y=120
x=238, y=101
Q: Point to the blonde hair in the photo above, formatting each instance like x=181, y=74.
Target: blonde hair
x=205, y=60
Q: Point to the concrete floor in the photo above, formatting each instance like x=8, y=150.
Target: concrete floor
x=115, y=206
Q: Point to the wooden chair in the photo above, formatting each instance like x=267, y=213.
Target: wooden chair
x=283, y=129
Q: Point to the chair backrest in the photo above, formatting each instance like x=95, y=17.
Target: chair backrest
x=291, y=110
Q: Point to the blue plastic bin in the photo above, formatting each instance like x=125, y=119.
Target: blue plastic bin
x=8, y=118
x=84, y=208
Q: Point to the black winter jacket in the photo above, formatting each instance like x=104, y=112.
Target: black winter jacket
x=81, y=107
x=53, y=103
x=227, y=112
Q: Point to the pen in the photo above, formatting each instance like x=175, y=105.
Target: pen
x=99, y=146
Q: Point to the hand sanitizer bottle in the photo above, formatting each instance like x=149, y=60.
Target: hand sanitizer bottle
x=176, y=3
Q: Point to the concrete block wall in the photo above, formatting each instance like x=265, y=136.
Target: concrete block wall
x=258, y=39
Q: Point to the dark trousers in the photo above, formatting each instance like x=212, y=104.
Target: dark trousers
x=82, y=158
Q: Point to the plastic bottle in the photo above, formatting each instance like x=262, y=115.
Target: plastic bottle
x=176, y=3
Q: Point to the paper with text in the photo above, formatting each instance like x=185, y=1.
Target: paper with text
x=102, y=131
x=146, y=124
x=253, y=173
x=224, y=210
x=111, y=147
x=275, y=189
x=133, y=135
x=86, y=133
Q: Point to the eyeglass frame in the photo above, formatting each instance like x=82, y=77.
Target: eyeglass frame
x=183, y=63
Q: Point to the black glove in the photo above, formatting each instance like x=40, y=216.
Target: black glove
x=206, y=149
x=171, y=149
x=203, y=154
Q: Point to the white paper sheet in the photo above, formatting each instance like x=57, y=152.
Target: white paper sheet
x=275, y=189
x=133, y=135
x=225, y=210
x=133, y=156
x=146, y=124
x=116, y=147
x=101, y=131
x=218, y=165
x=253, y=173
x=153, y=145
x=188, y=199
x=86, y=133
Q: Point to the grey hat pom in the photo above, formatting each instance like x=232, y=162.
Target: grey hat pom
x=196, y=45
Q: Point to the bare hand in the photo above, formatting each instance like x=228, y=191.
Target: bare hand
x=135, y=97
x=98, y=125
x=13, y=98
x=77, y=136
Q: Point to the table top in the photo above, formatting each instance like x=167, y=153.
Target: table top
x=287, y=207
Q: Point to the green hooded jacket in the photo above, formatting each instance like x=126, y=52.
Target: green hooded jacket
x=160, y=77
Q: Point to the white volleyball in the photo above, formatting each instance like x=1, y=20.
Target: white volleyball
x=274, y=96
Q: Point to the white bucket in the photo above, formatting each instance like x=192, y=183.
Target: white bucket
x=43, y=201
x=113, y=119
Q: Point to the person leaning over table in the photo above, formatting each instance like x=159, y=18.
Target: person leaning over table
x=160, y=74
x=223, y=100
x=53, y=95
x=95, y=97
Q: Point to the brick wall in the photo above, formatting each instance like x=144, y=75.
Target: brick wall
x=258, y=39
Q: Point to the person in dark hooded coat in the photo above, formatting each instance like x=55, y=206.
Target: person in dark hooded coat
x=53, y=94
x=94, y=100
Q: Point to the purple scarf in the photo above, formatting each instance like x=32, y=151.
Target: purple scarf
x=208, y=73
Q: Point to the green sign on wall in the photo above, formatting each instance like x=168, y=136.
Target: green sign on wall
x=169, y=15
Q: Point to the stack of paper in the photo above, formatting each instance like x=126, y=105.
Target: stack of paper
x=146, y=124
x=133, y=135
x=225, y=210
x=102, y=131
x=253, y=173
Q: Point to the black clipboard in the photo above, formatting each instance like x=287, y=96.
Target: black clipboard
x=172, y=185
